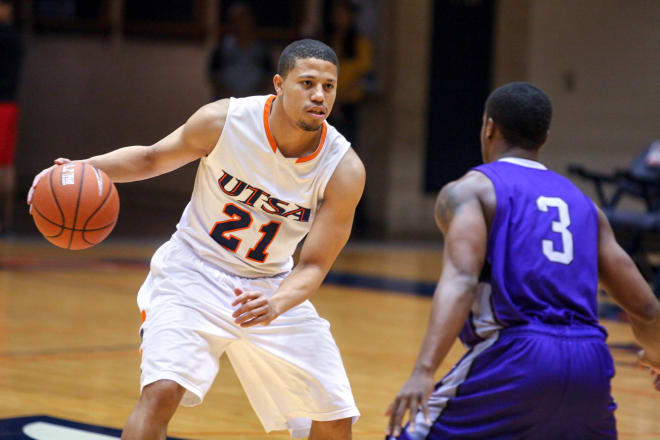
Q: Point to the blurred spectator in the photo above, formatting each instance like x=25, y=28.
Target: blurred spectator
x=355, y=53
x=240, y=65
x=11, y=55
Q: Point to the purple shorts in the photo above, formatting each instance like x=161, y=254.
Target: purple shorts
x=528, y=382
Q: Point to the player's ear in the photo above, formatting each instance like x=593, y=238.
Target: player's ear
x=490, y=128
x=277, y=83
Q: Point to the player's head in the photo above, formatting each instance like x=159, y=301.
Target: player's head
x=306, y=82
x=520, y=112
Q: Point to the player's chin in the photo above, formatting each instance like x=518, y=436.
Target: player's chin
x=310, y=125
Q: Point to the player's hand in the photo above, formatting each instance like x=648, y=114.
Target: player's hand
x=255, y=309
x=413, y=394
x=654, y=368
x=37, y=178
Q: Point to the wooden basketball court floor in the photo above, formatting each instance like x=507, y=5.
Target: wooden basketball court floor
x=69, y=339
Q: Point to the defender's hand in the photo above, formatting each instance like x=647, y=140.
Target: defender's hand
x=38, y=177
x=653, y=367
x=414, y=393
x=255, y=309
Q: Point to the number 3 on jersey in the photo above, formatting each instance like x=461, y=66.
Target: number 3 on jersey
x=241, y=219
x=565, y=256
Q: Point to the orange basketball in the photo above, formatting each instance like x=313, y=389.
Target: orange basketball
x=75, y=206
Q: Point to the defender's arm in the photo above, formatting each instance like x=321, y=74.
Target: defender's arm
x=619, y=276
x=459, y=214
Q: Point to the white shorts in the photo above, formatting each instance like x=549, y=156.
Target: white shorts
x=291, y=370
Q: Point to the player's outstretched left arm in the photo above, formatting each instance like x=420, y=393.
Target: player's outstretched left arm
x=460, y=216
x=194, y=139
x=327, y=236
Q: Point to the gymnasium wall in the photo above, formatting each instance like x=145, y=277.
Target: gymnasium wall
x=598, y=60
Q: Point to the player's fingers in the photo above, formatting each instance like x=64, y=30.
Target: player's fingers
x=397, y=416
x=62, y=160
x=413, y=413
x=243, y=297
x=261, y=319
x=425, y=411
x=251, y=298
x=248, y=313
x=35, y=181
x=390, y=412
x=390, y=408
x=246, y=307
x=657, y=382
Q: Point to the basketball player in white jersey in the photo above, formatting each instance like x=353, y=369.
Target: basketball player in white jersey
x=271, y=172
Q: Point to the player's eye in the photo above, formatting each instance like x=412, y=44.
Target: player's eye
x=329, y=86
x=307, y=83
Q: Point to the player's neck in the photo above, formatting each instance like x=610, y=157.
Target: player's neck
x=502, y=149
x=291, y=140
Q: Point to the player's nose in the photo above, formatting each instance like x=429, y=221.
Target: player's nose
x=317, y=94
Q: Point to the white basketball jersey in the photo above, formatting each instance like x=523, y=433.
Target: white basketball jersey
x=251, y=206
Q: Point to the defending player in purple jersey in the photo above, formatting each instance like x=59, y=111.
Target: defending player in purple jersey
x=524, y=253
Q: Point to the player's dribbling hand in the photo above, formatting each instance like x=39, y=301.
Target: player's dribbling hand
x=37, y=178
x=255, y=309
x=644, y=361
x=413, y=394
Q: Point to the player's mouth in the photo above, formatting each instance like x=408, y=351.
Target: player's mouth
x=317, y=112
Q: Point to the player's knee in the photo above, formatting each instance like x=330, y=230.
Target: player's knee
x=332, y=429
x=161, y=398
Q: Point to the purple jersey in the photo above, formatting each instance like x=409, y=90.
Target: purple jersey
x=542, y=259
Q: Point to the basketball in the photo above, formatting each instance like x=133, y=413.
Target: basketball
x=75, y=206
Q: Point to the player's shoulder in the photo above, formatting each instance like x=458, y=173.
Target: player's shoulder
x=348, y=177
x=471, y=184
x=351, y=166
x=209, y=118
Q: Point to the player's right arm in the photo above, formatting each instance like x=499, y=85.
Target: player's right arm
x=620, y=278
x=193, y=140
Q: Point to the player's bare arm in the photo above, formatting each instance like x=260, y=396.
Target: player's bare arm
x=460, y=215
x=194, y=139
x=328, y=235
x=619, y=276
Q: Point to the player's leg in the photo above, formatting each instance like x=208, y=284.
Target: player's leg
x=156, y=406
x=293, y=374
x=181, y=341
x=332, y=430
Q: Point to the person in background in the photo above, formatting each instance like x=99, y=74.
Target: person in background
x=239, y=65
x=355, y=53
x=11, y=56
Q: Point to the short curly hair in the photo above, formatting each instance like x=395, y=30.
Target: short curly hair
x=306, y=48
x=522, y=112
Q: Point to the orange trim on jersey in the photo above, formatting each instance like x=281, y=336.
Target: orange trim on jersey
x=143, y=315
x=318, y=149
x=269, y=135
x=271, y=139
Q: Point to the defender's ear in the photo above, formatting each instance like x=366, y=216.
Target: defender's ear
x=490, y=128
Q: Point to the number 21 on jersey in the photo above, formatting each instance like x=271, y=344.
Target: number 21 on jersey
x=565, y=255
x=241, y=219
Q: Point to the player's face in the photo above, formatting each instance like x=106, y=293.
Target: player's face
x=308, y=92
